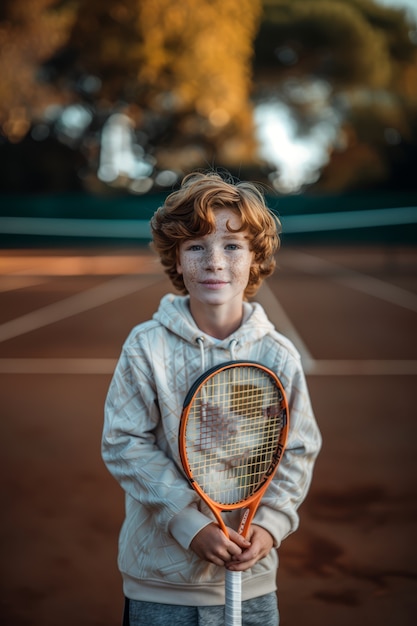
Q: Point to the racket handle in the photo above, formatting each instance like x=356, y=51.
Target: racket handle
x=233, y=606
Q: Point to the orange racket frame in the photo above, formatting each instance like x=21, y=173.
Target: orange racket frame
x=249, y=504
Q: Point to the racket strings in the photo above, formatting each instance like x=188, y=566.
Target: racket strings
x=232, y=432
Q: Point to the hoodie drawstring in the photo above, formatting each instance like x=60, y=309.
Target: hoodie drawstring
x=232, y=346
x=200, y=341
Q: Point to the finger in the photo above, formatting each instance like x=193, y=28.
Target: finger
x=238, y=539
x=239, y=566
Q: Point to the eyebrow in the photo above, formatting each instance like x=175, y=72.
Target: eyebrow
x=231, y=235
x=228, y=235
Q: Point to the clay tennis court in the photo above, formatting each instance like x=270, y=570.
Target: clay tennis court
x=352, y=312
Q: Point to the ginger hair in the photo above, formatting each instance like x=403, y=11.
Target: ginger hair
x=188, y=213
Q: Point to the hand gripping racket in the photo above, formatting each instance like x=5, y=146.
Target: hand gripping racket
x=233, y=432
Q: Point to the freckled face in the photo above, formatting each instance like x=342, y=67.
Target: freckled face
x=215, y=268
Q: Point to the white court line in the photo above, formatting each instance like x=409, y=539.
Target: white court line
x=366, y=367
x=57, y=366
x=13, y=283
x=355, y=280
x=122, y=286
x=106, y=367
x=282, y=322
x=382, y=290
x=79, y=303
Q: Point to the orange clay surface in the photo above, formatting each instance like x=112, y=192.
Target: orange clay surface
x=352, y=312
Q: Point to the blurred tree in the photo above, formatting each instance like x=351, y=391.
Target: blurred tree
x=182, y=79
x=162, y=64
x=347, y=42
x=166, y=61
x=30, y=32
x=365, y=55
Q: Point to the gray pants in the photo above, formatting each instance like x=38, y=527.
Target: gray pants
x=262, y=611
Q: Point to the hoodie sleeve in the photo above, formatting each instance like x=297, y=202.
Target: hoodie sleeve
x=132, y=456
x=278, y=510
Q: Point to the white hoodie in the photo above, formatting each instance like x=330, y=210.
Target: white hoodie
x=160, y=361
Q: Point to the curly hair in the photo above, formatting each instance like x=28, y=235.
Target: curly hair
x=188, y=213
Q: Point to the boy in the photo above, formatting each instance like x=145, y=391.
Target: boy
x=216, y=240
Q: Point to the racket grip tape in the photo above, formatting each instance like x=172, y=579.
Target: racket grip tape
x=233, y=593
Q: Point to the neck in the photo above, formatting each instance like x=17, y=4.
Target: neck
x=218, y=322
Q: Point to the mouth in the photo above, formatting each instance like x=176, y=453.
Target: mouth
x=213, y=283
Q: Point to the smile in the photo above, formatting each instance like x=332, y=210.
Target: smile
x=213, y=283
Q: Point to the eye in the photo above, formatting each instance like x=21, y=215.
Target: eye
x=233, y=246
x=194, y=247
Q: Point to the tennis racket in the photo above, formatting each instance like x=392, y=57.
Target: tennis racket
x=233, y=432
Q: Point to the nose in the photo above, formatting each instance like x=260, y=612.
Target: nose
x=214, y=259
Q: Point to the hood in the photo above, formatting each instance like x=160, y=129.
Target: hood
x=174, y=314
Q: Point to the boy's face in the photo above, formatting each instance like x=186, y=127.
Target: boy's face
x=215, y=268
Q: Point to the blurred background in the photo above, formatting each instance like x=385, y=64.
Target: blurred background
x=126, y=96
